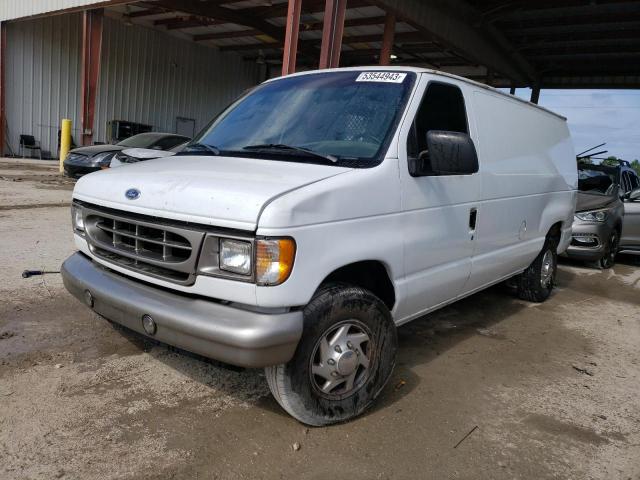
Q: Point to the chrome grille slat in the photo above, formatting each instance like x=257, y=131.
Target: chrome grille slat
x=167, y=243
x=164, y=251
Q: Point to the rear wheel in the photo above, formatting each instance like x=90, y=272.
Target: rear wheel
x=608, y=260
x=344, y=358
x=536, y=282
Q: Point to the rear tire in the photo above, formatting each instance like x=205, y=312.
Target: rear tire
x=345, y=357
x=536, y=282
x=608, y=260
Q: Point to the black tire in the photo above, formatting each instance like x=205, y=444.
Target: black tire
x=608, y=260
x=533, y=284
x=333, y=306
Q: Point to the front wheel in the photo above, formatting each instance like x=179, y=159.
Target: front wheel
x=536, y=282
x=344, y=358
x=608, y=260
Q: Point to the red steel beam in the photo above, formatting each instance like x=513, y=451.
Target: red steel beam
x=92, y=22
x=291, y=37
x=332, y=31
x=3, y=58
x=387, y=39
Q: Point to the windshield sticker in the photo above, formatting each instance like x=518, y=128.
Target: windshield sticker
x=388, y=77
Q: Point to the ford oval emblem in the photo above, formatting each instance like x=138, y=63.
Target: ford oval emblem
x=132, y=194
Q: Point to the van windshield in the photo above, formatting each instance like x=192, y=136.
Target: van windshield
x=339, y=118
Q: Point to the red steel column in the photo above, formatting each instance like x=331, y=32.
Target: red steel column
x=332, y=29
x=91, y=47
x=3, y=59
x=387, y=39
x=291, y=37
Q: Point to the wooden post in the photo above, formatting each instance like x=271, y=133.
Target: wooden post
x=291, y=37
x=332, y=29
x=387, y=39
x=91, y=48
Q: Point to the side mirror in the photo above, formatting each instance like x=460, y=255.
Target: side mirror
x=634, y=194
x=449, y=153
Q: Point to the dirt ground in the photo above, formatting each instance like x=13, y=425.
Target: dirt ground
x=548, y=391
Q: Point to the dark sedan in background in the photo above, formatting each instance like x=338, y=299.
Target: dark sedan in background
x=83, y=160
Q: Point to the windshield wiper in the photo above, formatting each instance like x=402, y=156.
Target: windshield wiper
x=201, y=146
x=282, y=146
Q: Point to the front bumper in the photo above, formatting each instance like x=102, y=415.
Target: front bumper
x=600, y=231
x=222, y=332
x=76, y=171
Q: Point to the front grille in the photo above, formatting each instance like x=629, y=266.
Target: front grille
x=164, y=251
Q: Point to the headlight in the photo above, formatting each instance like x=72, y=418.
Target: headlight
x=274, y=260
x=102, y=159
x=235, y=256
x=592, y=216
x=76, y=218
x=266, y=261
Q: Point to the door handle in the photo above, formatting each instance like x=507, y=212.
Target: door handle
x=473, y=217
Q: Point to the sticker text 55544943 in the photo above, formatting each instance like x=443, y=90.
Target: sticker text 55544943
x=388, y=77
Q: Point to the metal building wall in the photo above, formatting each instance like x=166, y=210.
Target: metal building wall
x=150, y=77
x=11, y=9
x=146, y=76
x=43, y=78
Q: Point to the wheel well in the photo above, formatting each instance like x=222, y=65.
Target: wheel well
x=555, y=232
x=369, y=274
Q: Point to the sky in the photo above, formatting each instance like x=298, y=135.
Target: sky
x=597, y=116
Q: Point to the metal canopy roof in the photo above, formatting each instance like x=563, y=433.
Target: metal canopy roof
x=549, y=43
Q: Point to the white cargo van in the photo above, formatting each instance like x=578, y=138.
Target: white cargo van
x=318, y=213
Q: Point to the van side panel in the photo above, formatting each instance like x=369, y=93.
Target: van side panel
x=528, y=175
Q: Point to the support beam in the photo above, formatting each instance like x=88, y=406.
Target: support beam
x=535, y=93
x=454, y=24
x=332, y=31
x=512, y=91
x=292, y=31
x=211, y=10
x=387, y=39
x=220, y=35
x=92, y=22
x=3, y=87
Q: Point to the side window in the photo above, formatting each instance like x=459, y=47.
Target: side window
x=626, y=182
x=442, y=108
x=635, y=182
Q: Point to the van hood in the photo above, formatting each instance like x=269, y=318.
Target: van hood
x=228, y=192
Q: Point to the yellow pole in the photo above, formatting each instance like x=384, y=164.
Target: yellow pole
x=65, y=141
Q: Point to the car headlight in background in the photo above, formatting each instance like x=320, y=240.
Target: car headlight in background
x=235, y=256
x=77, y=219
x=592, y=216
x=102, y=159
x=274, y=260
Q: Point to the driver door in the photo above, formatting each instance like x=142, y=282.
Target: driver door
x=439, y=212
x=631, y=224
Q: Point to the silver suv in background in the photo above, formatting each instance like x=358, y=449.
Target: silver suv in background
x=603, y=224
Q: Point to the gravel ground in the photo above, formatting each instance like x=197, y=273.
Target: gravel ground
x=548, y=391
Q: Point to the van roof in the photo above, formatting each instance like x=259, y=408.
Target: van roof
x=425, y=70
